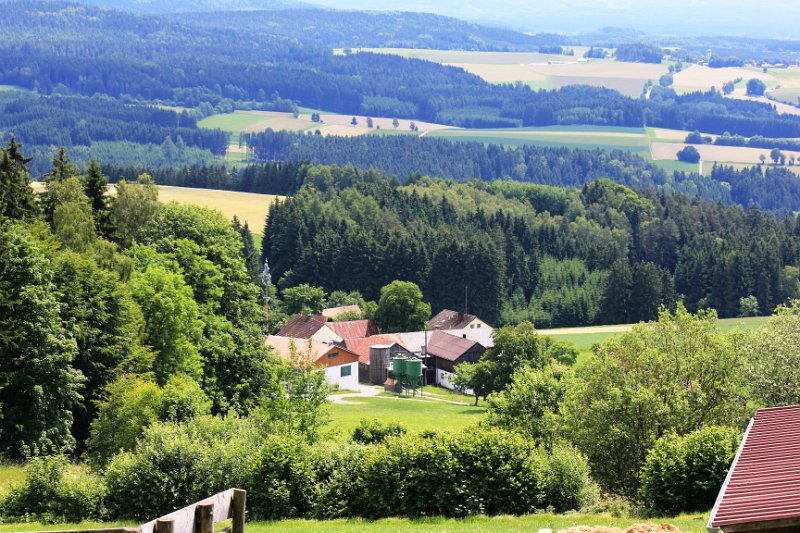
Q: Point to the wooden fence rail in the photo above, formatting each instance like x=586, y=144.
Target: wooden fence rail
x=199, y=517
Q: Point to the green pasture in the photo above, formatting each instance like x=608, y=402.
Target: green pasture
x=690, y=523
x=416, y=414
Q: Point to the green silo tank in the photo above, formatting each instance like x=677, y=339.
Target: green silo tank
x=399, y=367
x=414, y=368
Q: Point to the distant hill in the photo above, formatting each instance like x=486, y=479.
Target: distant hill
x=160, y=7
x=385, y=29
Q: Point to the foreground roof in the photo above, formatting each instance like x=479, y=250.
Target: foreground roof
x=354, y=329
x=282, y=346
x=448, y=319
x=763, y=486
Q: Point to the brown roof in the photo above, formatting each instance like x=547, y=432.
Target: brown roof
x=302, y=326
x=450, y=347
x=354, y=329
x=333, y=312
x=316, y=350
x=447, y=319
x=763, y=484
x=361, y=346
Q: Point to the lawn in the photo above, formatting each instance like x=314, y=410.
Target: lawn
x=416, y=414
x=505, y=524
x=9, y=475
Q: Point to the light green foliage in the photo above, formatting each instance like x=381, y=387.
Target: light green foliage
x=303, y=299
x=771, y=357
x=38, y=384
x=172, y=324
x=373, y=431
x=133, y=206
x=298, y=407
x=182, y=399
x=49, y=493
x=131, y=404
x=401, y=308
x=686, y=473
x=529, y=404
x=339, y=298
x=748, y=306
x=178, y=464
x=671, y=376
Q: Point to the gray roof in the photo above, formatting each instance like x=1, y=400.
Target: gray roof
x=415, y=340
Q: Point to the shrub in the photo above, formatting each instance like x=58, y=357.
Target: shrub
x=689, y=154
x=176, y=464
x=182, y=399
x=683, y=474
x=283, y=480
x=49, y=494
x=491, y=472
x=373, y=431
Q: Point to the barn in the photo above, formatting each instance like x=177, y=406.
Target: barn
x=762, y=490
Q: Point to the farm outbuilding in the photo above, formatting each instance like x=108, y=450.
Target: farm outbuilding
x=762, y=490
x=339, y=363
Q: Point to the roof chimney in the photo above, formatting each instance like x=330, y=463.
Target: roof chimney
x=464, y=335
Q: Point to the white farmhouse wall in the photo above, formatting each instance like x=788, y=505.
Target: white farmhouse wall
x=334, y=376
x=326, y=334
x=444, y=379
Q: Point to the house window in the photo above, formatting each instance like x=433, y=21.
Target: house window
x=333, y=355
x=346, y=371
x=479, y=325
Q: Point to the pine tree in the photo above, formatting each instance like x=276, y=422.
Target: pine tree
x=16, y=196
x=96, y=184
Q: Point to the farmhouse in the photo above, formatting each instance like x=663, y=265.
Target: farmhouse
x=447, y=319
x=762, y=490
x=319, y=329
x=445, y=351
x=340, y=364
x=362, y=346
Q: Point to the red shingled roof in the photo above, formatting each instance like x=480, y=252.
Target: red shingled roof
x=302, y=326
x=354, y=329
x=447, y=346
x=763, y=485
x=361, y=346
x=447, y=319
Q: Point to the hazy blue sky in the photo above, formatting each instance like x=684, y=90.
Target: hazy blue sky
x=763, y=18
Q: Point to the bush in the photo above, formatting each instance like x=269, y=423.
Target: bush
x=177, y=464
x=492, y=472
x=684, y=474
x=373, y=431
x=49, y=494
x=689, y=155
x=283, y=480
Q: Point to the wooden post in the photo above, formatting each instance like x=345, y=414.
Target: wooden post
x=204, y=518
x=165, y=525
x=238, y=509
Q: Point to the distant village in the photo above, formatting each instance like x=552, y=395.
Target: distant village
x=353, y=351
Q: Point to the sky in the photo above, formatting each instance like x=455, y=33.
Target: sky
x=762, y=18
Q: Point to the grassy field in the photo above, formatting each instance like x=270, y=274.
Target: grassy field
x=416, y=414
x=633, y=139
x=586, y=337
x=9, y=475
x=504, y=524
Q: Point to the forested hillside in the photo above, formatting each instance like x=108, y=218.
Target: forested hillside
x=56, y=46
x=193, y=6
x=599, y=254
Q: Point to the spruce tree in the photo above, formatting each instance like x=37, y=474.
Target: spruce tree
x=16, y=196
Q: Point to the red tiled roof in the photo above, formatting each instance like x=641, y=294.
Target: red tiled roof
x=354, y=329
x=361, y=346
x=450, y=347
x=333, y=312
x=447, y=319
x=763, y=484
x=282, y=346
x=302, y=326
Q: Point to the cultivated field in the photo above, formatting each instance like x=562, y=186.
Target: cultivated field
x=714, y=153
